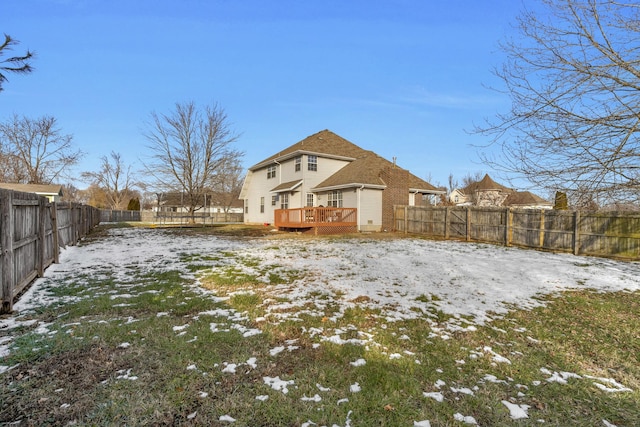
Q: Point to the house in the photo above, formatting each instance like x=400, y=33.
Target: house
x=53, y=192
x=487, y=192
x=210, y=202
x=526, y=200
x=325, y=183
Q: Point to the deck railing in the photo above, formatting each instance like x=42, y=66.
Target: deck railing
x=315, y=217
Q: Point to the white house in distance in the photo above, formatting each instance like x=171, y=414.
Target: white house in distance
x=325, y=180
x=487, y=192
x=53, y=192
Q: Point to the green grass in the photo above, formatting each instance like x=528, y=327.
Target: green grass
x=83, y=360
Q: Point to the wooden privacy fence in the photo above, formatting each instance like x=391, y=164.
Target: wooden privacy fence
x=112, y=215
x=609, y=234
x=167, y=217
x=32, y=230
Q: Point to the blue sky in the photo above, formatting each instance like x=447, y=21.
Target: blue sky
x=404, y=78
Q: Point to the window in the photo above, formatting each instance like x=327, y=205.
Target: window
x=284, y=201
x=298, y=163
x=246, y=205
x=334, y=199
x=310, y=200
x=261, y=204
x=274, y=200
x=312, y=163
x=271, y=172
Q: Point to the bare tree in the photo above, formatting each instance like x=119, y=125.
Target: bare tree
x=188, y=148
x=573, y=76
x=13, y=64
x=227, y=183
x=114, y=177
x=35, y=151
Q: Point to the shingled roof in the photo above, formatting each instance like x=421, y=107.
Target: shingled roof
x=34, y=188
x=366, y=170
x=485, y=184
x=324, y=142
x=524, y=198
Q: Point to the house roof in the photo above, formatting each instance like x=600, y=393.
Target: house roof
x=48, y=189
x=485, y=184
x=324, y=142
x=524, y=198
x=287, y=186
x=366, y=170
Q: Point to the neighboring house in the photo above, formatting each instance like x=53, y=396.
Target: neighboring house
x=487, y=192
x=325, y=171
x=53, y=192
x=526, y=200
x=210, y=203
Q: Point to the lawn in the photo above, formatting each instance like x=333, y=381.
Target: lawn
x=205, y=327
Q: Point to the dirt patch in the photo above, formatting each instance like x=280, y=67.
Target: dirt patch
x=59, y=389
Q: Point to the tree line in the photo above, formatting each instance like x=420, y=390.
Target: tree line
x=192, y=154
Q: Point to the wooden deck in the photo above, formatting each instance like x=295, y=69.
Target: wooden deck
x=318, y=220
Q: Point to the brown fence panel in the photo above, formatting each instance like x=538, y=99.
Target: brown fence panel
x=611, y=234
x=488, y=225
x=30, y=238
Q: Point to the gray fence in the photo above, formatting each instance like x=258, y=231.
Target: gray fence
x=31, y=232
x=610, y=234
x=184, y=218
x=111, y=215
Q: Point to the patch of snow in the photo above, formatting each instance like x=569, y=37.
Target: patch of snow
x=436, y=395
x=355, y=388
x=558, y=377
x=277, y=384
x=516, y=411
x=465, y=419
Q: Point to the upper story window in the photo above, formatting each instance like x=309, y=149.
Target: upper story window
x=312, y=163
x=298, y=163
x=274, y=199
x=271, y=171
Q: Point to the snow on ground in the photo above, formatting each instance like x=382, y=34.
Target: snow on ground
x=404, y=278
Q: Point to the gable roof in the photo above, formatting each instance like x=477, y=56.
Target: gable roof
x=324, y=142
x=48, y=189
x=366, y=170
x=524, y=198
x=287, y=186
x=485, y=184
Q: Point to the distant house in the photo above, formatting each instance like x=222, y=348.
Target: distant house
x=526, y=200
x=326, y=180
x=53, y=192
x=211, y=202
x=487, y=192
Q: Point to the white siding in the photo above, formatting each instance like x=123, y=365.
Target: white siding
x=257, y=185
x=370, y=211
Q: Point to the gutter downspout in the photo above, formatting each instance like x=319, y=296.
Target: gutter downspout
x=358, y=206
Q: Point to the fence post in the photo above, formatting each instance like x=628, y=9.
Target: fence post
x=508, y=227
x=468, y=224
x=42, y=247
x=6, y=242
x=542, y=233
x=54, y=229
x=447, y=221
x=406, y=219
x=576, y=233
